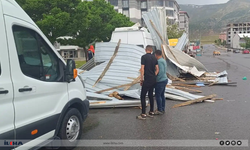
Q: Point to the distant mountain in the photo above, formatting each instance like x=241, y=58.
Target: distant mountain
x=211, y=19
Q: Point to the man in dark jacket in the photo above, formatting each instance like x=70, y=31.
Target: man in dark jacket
x=149, y=70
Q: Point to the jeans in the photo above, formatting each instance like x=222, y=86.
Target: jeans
x=147, y=87
x=90, y=55
x=160, y=95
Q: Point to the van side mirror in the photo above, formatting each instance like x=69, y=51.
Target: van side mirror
x=71, y=72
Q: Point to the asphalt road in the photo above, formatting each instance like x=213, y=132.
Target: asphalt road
x=230, y=117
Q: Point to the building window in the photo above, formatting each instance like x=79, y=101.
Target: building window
x=144, y=5
x=126, y=12
x=170, y=13
x=167, y=3
x=171, y=21
x=158, y=3
x=113, y=2
x=125, y=3
x=171, y=4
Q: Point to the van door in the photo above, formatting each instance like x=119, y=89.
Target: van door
x=6, y=90
x=40, y=93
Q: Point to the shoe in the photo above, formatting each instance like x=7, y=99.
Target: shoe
x=141, y=117
x=158, y=113
x=151, y=114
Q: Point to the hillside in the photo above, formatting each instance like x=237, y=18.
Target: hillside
x=211, y=19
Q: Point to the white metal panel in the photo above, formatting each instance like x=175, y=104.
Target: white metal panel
x=6, y=100
x=119, y=35
x=46, y=98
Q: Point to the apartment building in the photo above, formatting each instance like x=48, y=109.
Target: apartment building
x=184, y=21
x=135, y=8
x=235, y=29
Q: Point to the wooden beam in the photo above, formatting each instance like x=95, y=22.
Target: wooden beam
x=217, y=99
x=82, y=72
x=101, y=102
x=163, y=52
x=213, y=83
x=134, y=82
x=116, y=87
x=109, y=63
x=159, y=34
x=131, y=78
x=175, y=78
x=195, y=101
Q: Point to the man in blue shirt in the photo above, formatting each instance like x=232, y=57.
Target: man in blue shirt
x=161, y=82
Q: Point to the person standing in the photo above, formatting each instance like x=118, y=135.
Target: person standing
x=91, y=52
x=161, y=82
x=149, y=70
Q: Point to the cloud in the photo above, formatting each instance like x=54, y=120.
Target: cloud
x=201, y=2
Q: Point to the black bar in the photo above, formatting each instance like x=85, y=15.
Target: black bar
x=4, y=92
x=25, y=89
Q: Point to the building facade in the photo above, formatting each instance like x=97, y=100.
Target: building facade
x=135, y=8
x=223, y=36
x=238, y=39
x=184, y=21
x=236, y=28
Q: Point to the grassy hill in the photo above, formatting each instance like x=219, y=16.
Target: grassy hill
x=211, y=19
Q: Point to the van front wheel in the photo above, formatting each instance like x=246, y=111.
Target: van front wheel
x=71, y=129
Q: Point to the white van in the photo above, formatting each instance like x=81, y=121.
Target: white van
x=41, y=97
x=133, y=35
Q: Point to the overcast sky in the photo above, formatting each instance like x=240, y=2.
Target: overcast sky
x=201, y=2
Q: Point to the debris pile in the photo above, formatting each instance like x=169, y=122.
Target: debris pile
x=112, y=76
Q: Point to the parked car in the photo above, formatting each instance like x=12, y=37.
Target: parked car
x=216, y=53
x=42, y=98
x=236, y=51
x=245, y=52
x=229, y=49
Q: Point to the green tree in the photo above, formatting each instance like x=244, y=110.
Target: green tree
x=247, y=42
x=52, y=16
x=174, y=32
x=85, y=21
x=243, y=45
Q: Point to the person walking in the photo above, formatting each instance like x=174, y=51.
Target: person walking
x=91, y=52
x=161, y=82
x=149, y=70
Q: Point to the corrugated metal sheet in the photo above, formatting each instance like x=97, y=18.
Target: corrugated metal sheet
x=160, y=24
x=183, y=41
x=185, y=61
x=126, y=64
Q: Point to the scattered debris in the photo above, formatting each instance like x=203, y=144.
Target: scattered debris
x=116, y=95
x=195, y=101
x=112, y=77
